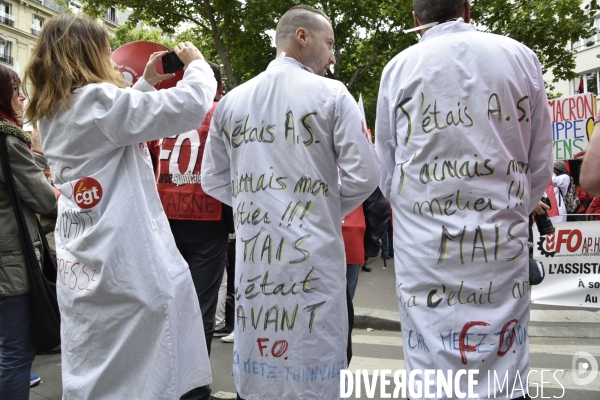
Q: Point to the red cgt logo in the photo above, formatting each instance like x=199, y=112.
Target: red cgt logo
x=88, y=193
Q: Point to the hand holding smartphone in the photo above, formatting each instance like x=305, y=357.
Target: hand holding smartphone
x=171, y=63
x=187, y=53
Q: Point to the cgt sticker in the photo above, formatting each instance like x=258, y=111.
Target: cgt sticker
x=88, y=193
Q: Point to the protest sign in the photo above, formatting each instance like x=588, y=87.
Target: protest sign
x=571, y=258
x=572, y=124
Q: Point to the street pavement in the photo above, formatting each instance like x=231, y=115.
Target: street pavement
x=556, y=334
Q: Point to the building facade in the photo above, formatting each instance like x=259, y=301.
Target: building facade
x=20, y=24
x=22, y=20
x=587, y=65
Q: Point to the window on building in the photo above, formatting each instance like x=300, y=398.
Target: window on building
x=591, y=83
x=36, y=25
x=111, y=14
x=5, y=53
x=75, y=6
x=6, y=16
x=592, y=40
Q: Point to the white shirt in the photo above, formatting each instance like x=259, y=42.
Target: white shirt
x=561, y=186
x=131, y=324
x=277, y=141
x=464, y=137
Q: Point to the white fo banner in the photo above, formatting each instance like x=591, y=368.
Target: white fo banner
x=571, y=258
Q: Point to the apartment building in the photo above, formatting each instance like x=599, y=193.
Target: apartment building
x=587, y=65
x=22, y=20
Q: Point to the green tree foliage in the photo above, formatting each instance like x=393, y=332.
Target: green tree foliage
x=369, y=33
x=126, y=34
x=235, y=31
x=545, y=26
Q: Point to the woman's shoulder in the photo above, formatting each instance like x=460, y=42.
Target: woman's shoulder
x=14, y=133
x=100, y=96
x=100, y=87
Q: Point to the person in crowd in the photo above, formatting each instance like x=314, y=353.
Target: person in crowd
x=589, y=177
x=199, y=223
x=387, y=241
x=129, y=312
x=353, y=233
x=361, y=230
x=585, y=199
x=273, y=152
x=560, y=180
x=37, y=197
x=593, y=211
x=465, y=152
x=48, y=222
x=221, y=329
x=225, y=315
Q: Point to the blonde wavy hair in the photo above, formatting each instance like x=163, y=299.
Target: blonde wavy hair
x=72, y=51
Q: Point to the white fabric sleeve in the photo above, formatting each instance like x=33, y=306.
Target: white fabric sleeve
x=142, y=85
x=561, y=182
x=359, y=171
x=129, y=116
x=540, y=146
x=385, y=142
x=215, y=169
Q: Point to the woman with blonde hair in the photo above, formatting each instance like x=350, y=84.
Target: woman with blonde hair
x=131, y=324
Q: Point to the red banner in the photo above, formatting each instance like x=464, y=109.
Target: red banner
x=178, y=162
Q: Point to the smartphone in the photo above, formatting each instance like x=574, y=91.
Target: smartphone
x=171, y=63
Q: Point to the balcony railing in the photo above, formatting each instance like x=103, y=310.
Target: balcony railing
x=35, y=31
x=6, y=59
x=7, y=19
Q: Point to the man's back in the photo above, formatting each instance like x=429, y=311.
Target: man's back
x=466, y=93
x=463, y=132
x=274, y=149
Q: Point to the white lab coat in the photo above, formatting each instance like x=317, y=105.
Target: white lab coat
x=131, y=323
x=276, y=140
x=452, y=116
x=561, y=186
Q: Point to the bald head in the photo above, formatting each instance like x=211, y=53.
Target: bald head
x=302, y=16
x=438, y=10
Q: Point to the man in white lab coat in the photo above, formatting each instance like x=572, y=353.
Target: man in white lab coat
x=273, y=153
x=464, y=139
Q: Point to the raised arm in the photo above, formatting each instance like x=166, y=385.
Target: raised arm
x=128, y=116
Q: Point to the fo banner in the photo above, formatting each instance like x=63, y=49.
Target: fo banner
x=572, y=124
x=571, y=258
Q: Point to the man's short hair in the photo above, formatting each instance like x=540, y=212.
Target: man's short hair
x=438, y=10
x=217, y=72
x=301, y=16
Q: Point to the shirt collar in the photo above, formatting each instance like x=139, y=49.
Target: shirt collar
x=284, y=60
x=448, y=27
